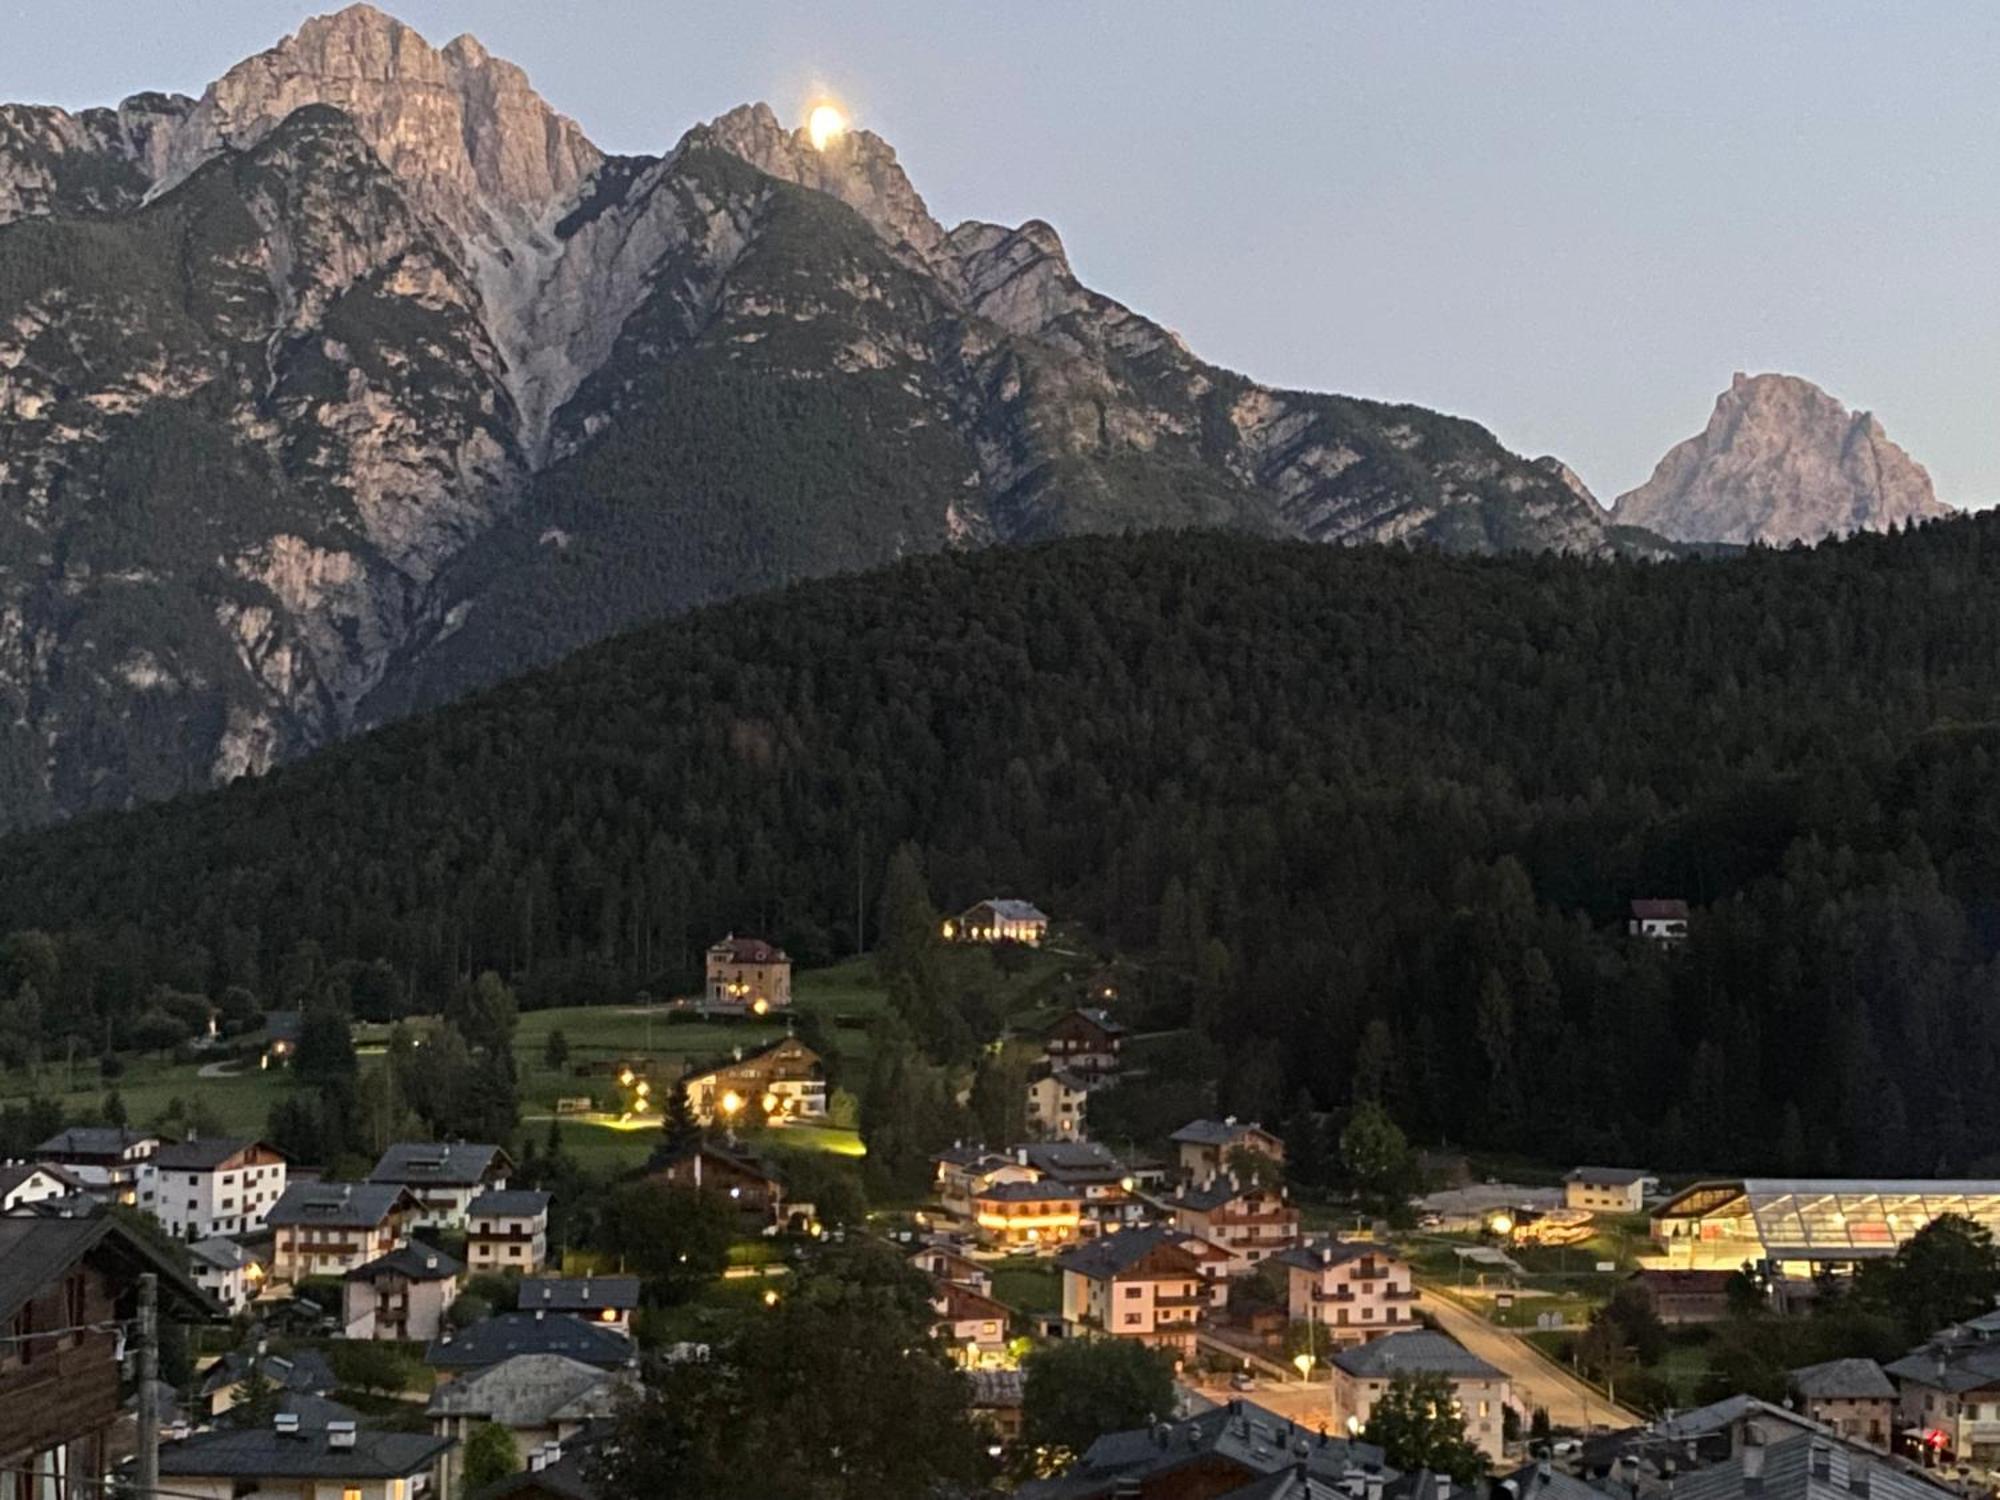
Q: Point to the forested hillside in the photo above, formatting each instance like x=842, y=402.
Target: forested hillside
x=1375, y=812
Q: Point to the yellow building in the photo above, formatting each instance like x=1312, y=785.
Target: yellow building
x=749, y=973
x=1014, y=1214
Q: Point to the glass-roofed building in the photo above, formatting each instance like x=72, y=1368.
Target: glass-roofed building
x=1801, y=1223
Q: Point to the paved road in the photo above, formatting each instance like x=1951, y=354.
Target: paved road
x=1537, y=1380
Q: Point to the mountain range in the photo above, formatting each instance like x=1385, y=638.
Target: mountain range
x=366, y=379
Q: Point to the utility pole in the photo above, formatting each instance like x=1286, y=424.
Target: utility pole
x=149, y=1372
x=860, y=898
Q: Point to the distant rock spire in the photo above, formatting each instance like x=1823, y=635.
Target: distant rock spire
x=1781, y=461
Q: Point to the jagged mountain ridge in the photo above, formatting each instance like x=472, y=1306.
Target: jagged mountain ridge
x=538, y=394
x=1781, y=461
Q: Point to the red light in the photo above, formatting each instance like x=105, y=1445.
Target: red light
x=1935, y=1438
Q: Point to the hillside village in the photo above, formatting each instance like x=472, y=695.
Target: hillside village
x=458, y=1317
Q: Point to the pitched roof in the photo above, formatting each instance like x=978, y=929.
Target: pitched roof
x=1073, y=1161
x=220, y=1253
x=1843, y=1379
x=263, y=1453
x=1257, y=1441
x=1320, y=1254
x=1418, y=1352
x=94, y=1140
x=533, y=1390
x=582, y=1294
x=1810, y=1466
x=303, y=1370
x=202, y=1155
x=1215, y=1193
x=453, y=1164
x=734, y=1158
x=1214, y=1132
x=507, y=1334
x=1607, y=1176
x=1041, y=1191
x=34, y=1251
x=714, y=1065
x=15, y=1174
x=417, y=1262
x=349, y=1205
x=962, y=1302
x=1669, y=910
x=748, y=950
x=514, y=1203
x=994, y=1387
x=1009, y=909
x=1096, y=1015
x=1112, y=1254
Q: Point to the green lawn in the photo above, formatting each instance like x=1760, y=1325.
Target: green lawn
x=1028, y=1288
x=242, y=1102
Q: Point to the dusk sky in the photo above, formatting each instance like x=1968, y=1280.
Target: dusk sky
x=1571, y=222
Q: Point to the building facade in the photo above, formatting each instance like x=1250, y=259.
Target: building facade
x=403, y=1295
x=507, y=1231
x=1034, y=1214
x=999, y=920
x=1139, y=1284
x=785, y=1080
x=1356, y=1290
x=749, y=974
x=109, y=1160
x=1363, y=1372
x=329, y=1228
x=1613, y=1190
x=200, y=1189
x=1853, y=1397
x=65, y=1286
x=1057, y=1099
x=1205, y=1146
x=1251, y=1222
x=1086, y=1043
x=442, y=1179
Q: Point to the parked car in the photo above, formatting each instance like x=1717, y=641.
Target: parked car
x=1242, y=1380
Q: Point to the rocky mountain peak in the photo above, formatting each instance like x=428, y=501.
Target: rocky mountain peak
x=857, y=166
x=1781, y=461
x=464, y=130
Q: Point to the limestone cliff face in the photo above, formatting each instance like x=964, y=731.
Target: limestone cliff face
x=365, y=378
x=1781, y=461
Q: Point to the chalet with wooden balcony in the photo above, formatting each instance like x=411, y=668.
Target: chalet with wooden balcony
x=444, y=1179
x=970, y=1324
x=1205, y=1146
x=1251, y=1222
x=1139, y=1284
x=785, y=1080
x=69, y=1293
x=507, y=1231
x=1086, y=1043
x=109, y=1160
x=329, y=1228
x=714, y=1167
x=403, y=1295
x=1355, y=1289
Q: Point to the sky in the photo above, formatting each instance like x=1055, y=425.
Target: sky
x=1569, y=221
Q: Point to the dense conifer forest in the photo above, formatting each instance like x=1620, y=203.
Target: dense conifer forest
x=1372, y=815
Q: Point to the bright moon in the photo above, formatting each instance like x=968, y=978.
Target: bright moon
x=823, y=124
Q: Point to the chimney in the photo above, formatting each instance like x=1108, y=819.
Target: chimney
x=339, y=1435
x=1443, y=1486
x=1753, y=1460
x=286, y=1424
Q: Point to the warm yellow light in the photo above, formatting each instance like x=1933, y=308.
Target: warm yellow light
x=770, y=1299
x=760, y=1005
x=644, y=1087
x=626, y=1078
x=825, y=124
x=1304, y=1362
x=770, y=1102
x=731, y=1102
x=609, y=1315
x=1500, y=1224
